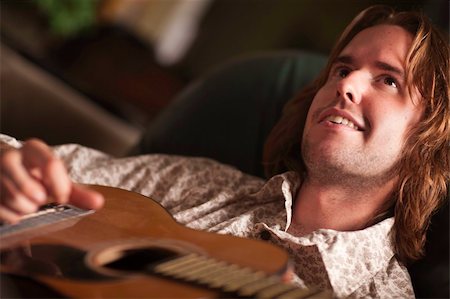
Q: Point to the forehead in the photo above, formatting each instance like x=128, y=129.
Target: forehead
x=388, y=43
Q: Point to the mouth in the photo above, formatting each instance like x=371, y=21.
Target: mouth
x=341, y=118
x=336, y=119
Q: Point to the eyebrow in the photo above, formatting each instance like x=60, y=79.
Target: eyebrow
x=387, y=67
x=344, y=59
x=347, y=59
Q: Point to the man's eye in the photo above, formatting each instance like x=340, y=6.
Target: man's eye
x=391, y=82
x=343, y=72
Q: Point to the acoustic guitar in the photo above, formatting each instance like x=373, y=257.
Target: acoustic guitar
x=133, y=248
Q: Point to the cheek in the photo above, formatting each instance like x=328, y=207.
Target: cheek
x=318, y=103
x=400, y=114
x=324, y=94
x=310, y=118
x=393, y=126
x=321, y=100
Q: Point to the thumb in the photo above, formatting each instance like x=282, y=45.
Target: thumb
x=85, y=198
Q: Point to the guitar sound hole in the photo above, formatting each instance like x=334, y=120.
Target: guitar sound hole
x=141, y=259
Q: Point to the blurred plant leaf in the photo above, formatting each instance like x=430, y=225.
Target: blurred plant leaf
x=68, y=17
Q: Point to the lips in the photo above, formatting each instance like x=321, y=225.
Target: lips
x=342, y=118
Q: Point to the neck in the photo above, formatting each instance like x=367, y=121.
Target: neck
x=339, y=208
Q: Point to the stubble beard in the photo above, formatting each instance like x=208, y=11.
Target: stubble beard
x=353, y=170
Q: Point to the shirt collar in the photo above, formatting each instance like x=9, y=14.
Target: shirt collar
x=366, y=251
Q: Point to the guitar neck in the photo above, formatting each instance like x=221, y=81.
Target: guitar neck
x=193, y=264
x=49, y=218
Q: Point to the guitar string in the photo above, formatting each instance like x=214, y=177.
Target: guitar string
x=230, y=278
x=43, y=218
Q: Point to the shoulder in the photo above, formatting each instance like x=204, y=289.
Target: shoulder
x=393, y=281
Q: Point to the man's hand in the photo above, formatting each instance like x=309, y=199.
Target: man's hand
x=33, y=174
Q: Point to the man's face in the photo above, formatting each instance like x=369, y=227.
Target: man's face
x=358, y=121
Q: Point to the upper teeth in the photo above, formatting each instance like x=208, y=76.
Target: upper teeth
x=341, y=120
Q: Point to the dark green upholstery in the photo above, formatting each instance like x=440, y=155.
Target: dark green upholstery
x=227, y=114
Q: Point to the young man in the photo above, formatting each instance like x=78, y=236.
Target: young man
x=366, y=150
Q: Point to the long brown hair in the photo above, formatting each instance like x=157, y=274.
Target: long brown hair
x=424, y=168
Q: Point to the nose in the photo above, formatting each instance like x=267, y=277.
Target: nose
x=351, y=87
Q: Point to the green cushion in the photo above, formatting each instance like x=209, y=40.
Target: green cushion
x=227, y=114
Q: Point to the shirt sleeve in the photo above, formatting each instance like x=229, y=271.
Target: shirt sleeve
x=8, y=141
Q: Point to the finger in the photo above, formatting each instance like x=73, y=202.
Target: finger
x=37, y=154
x=85, y=198
x=8, y=216
x=289, y=275
x=57, y=181
x=14, y=200
x=14, y=171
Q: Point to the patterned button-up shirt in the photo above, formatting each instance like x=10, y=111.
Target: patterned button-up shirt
x=204, y=194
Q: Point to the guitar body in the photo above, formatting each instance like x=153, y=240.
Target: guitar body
x=107, y=253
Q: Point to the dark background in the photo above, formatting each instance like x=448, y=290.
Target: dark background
x=115, y=67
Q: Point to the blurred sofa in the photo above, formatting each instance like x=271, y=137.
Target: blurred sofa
x=35, y=103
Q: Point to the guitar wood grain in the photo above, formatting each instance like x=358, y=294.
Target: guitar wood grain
x=76, y=258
